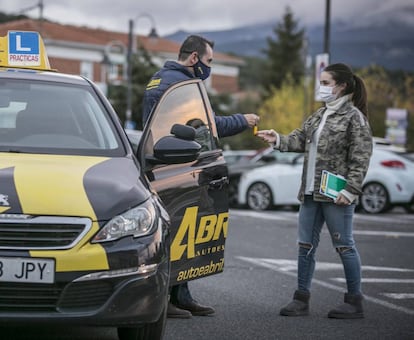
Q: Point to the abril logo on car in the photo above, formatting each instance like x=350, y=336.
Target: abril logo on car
x=210, y=228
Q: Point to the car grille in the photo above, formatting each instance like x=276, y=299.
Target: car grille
x=19, y=297
x=24, y=297
x=23, y=232
x=85, y=295
x=42, y=232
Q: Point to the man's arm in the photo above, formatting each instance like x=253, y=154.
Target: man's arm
x=234, y=124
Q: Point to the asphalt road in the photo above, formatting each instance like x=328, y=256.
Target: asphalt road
x=260, y=277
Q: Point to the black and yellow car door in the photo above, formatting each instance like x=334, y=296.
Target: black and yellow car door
x=195, y=193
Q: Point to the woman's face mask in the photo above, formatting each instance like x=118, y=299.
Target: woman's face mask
x=201, y=70
x=326, y=93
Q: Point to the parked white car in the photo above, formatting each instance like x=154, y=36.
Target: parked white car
x=271, y=185
x=389, y=182
x=235, y=156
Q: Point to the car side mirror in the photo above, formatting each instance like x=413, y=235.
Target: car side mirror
x=179, y=147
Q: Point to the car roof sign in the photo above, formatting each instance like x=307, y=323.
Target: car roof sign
x=23, y=49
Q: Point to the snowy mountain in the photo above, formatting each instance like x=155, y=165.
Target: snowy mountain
x=374, y=39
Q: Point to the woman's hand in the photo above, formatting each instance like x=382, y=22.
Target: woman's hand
x=269, y=136
x=342, y=200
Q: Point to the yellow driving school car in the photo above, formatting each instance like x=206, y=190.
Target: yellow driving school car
x=93, y=232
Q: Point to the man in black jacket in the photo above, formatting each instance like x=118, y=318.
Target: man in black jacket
x=194, y=60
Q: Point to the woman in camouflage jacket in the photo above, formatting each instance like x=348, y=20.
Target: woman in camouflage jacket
x=336, y=138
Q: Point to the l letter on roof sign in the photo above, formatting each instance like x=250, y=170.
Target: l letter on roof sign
x=24, y=49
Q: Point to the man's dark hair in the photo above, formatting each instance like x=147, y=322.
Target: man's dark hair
x=194, y=43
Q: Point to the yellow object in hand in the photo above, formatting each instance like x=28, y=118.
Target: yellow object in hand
x=255, y=129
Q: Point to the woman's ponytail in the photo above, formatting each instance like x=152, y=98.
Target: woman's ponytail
x=359, y=97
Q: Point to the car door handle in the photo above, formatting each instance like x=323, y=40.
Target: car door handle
x=218, y=183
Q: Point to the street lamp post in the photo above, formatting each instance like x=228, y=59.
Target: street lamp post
x=327, y=26
x=118, y=48
x=129, y=123
x=128, y=118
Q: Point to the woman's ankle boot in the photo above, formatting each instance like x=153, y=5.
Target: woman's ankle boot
x=299, y=305
x=351, y=309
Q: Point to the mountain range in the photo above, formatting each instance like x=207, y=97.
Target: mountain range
x=384, y=41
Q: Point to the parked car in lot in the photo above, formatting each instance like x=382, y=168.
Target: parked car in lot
x=408, y=155
x=236, y=156
x=271, y=185
x=389, y=182
x=261, y=157
x=383, y=143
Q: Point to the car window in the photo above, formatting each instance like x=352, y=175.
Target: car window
x=183, y=105
x=48, y=117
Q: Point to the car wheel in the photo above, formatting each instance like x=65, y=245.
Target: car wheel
x=150, y=331
x=374, y=199
x=259, y=197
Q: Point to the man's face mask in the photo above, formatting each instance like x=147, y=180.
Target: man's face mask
x=201, y=70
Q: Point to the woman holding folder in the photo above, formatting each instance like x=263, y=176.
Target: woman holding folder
x=335, y=139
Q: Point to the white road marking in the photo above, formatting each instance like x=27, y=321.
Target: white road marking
x=398, y=296
x=291, y=265
x=282, y=216
x=292, y=216
x=376, y=280
x=405, y=218
x=383, y=233
x=286, y=267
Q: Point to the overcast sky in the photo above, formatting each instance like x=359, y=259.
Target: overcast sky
x=202, y=15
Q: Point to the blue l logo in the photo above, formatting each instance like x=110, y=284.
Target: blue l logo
x=23, y=43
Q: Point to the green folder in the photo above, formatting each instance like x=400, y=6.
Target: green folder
x=331, y=184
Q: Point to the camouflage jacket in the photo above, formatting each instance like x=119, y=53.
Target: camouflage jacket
x=344, y=148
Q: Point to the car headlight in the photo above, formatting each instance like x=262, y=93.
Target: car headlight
x=135, y=222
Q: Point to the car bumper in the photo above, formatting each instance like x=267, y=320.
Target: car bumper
x=109, y=302
x=132, y=291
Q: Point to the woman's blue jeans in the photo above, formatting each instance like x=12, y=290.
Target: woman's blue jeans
x=338, y=218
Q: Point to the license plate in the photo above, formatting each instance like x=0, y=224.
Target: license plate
x=24, y=269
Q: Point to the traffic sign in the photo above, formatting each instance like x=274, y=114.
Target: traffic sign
x=322, y=60
x=24, y=49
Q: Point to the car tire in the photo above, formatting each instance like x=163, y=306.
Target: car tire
x=150, y=331
x=375, y=198
x=259, y=196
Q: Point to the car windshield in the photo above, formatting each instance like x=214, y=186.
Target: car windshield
x=46, y=117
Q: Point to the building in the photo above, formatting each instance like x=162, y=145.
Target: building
x=100, y=55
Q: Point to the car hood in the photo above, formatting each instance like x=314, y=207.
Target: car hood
x=56, y=185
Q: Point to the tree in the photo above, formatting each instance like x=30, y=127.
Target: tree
x=380, y=96
x=251, y=74
x=388, y=89
x=283, y=110
x=142, y=70
x=284, y=54
x=409, y=105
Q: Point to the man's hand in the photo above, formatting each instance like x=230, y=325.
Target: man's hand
x=252, y=119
